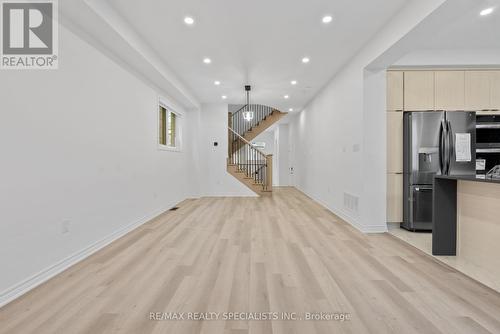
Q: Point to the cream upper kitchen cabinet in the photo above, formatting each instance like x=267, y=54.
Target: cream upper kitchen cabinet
x=450, y=90
x=394, y=142
x=394, y=198
x=418, y=90
x=477, y=90
x=395, y=90
x=495, y=90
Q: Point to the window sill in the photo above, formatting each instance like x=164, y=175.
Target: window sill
x=168, y=148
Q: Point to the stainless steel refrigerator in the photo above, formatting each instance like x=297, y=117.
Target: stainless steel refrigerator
x=434, y=143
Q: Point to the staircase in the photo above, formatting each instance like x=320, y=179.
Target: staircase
x=248, y=164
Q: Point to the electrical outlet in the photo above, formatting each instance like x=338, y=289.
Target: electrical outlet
x=65, y=225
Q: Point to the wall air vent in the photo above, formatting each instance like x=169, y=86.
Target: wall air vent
x=351, y=203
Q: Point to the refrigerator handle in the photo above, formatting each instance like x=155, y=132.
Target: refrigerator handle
x=442, y=161
x=450, y=146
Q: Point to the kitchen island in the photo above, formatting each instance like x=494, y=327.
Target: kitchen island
x=463, y=198
x=466, y=221
x=456, y=198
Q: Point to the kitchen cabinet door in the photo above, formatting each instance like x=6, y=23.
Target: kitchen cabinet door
x=394, y=198
x=477, y=90
x=394, y=142
x=450, y=90
x=418, y=90
x=395, y=91
x=495, y=90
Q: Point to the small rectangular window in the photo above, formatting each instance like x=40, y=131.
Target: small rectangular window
x=168, y=128
x=163, y=127
x=171, y=130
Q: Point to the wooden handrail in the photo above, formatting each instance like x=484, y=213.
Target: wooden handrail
x=245, y=141
x=252, y=161
x=245, y=105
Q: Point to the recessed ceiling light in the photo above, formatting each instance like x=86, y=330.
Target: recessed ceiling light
x=189, y=20
x=327, y=19
x=290, y=109
x=224, y=97
x=216, y=82
x=286, y=96
x=305, y=60
x=486, y=11
x=293, y=82
x=207, y=60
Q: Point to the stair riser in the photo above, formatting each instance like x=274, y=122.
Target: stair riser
x=257, y=188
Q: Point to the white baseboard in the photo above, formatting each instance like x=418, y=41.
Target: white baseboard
x=351, y=220
x=375, y=229
x=32, y=282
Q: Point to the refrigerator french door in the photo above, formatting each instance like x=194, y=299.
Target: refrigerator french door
x=434, y=143
x=460, y=126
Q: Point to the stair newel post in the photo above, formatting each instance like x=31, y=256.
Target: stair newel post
x=269, y=172
x=250, y=152
x=229, y=137
x=254, y=163
x=247, y=153
x=251, y=162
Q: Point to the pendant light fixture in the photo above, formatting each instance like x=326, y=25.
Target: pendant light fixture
x=248, y=114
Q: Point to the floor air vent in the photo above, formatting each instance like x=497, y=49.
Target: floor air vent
x=174, y=208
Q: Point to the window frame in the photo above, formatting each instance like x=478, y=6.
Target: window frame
x=178, y=127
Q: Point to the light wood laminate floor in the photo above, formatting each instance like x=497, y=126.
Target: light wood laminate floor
x=478, y=268
x=281, y=253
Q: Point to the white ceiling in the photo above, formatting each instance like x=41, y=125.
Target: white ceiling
x=453, y=35
x=260, y=42
x=467, y=29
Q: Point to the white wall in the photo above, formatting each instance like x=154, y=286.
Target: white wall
x=268, y=138
x=281, y=167
x=276, y=162
x=214, y=179
x=339, y=137
x=277, y=144
x=79, y=145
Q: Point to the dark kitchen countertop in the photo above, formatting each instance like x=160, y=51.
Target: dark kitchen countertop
x=472, y=178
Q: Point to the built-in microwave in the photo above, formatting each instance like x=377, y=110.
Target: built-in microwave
x=487, y=142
